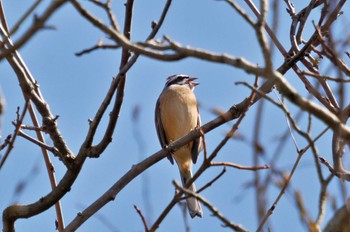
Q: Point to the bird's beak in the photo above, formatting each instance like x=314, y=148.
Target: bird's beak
x=192, y=79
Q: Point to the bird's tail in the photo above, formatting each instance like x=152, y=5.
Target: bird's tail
x=193, y=204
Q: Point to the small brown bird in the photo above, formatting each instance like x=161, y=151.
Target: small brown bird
x=176, y=115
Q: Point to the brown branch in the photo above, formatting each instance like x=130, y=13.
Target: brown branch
x=318, y=76
x=233, y=165
x=98, y=46
x=207, y=185
x=142, y=218
x=6, y=142
x=31, y=128
x=39, y=143
x=15, y=133
x=341, y=175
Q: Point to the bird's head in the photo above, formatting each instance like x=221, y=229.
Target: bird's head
x=181, y=79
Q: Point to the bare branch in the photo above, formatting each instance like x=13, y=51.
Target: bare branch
x=15, y=133
x=318, y=76
x=98, y=46
x=39, y=143
x=142, y=218
x=213, y=180
x=6, y=142
x=249, y=168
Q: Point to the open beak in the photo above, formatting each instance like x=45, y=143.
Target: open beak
x=192, y=79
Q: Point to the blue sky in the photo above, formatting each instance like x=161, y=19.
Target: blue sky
x=75, y=86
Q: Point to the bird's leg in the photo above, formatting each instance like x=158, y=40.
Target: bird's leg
x=204, y=144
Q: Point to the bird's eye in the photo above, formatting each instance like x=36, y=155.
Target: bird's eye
x=182, y=78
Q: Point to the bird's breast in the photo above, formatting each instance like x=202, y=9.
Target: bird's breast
x=179, y=113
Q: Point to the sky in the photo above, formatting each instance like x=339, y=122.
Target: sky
x=75, y=86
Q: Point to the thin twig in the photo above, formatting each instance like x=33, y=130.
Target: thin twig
x=318, y=76
x=98, y=46
x=39, y=143
x=15, y=133
x=142, y=218
x=207, y=185
x=233, y=165
x=6, y=142
x=288, y=119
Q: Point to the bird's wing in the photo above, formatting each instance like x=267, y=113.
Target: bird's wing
x=198, y=143
x=160, y=131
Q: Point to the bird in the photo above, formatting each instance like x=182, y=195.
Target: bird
x=176, y=115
